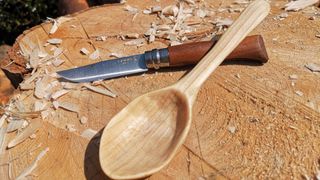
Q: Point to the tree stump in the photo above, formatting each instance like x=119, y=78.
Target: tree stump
x=248, y=120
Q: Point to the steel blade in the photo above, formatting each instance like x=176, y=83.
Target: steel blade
x=106, y=69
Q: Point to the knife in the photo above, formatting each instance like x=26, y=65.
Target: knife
x=251, y=48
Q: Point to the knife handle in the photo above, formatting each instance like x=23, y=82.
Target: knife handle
x=252, y=48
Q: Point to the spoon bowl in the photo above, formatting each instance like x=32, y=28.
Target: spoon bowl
x=151, y=127
x=144, y=136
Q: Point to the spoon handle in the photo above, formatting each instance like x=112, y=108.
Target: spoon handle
x=248, y=20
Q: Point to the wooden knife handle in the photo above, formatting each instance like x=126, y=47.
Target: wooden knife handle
x=252, y=48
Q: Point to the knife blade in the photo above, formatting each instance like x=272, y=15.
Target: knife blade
x=252, y=48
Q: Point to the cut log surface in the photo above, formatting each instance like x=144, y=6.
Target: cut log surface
x=248, y=121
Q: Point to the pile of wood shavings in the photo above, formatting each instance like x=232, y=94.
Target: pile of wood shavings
x=185, y=21
x=41, y=95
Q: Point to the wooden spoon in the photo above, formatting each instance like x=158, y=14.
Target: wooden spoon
x=144, y=136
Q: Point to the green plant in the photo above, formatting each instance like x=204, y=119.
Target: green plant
x=18, y=15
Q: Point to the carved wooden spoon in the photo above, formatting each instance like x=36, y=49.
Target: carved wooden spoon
x=144, y=136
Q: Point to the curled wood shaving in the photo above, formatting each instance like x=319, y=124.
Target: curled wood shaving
x=28, y=131
x=131, y=9
x=99, y=90
x=67, y=106
x=116, y=55
x=27, y=171
x=59, y=93
x=54, y=27
x=89, y=133
x=16, y=124
x=95, y=55
x=57, y=23
x=293, y=77
x=54, y=41
x=313, y=67
x=147, y=11
x=84, y=51
x=299, y=4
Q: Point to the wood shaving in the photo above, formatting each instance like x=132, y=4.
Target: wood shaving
x=54, y=41
x=147, y=11
x=71, y=128
x=57, y=62
x=34, y=59
x=57, y=52
x=201, y=13
x=101, y=38
x=54, y=27
x=299, y=93
x=171, y=10
x=224, y=22
x=42, y=87
x=27, y=171
x=95, y=55
x=59, y=93
x=313, y=67
x=83, y=120
x=89, y=133
x=135, y=42
x=33, y=136
x=16, y=124
x=318, y=35
x=3, y=131
x=71, y=86
x=132, y=36
x=84, y=51
x=299, y=4
x=99, y=90
x=116, y=55
x=156, y=9
x=39, y=105
x=25, y=86
x=67, y=106
x=241, y=2
x=28, y=131
x=189, y=2
x=293, y=77
x=20, y=106
x=3, y=119
x=131, y=9
x=232, y=129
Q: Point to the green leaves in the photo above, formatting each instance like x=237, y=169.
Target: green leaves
x=19, y=15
